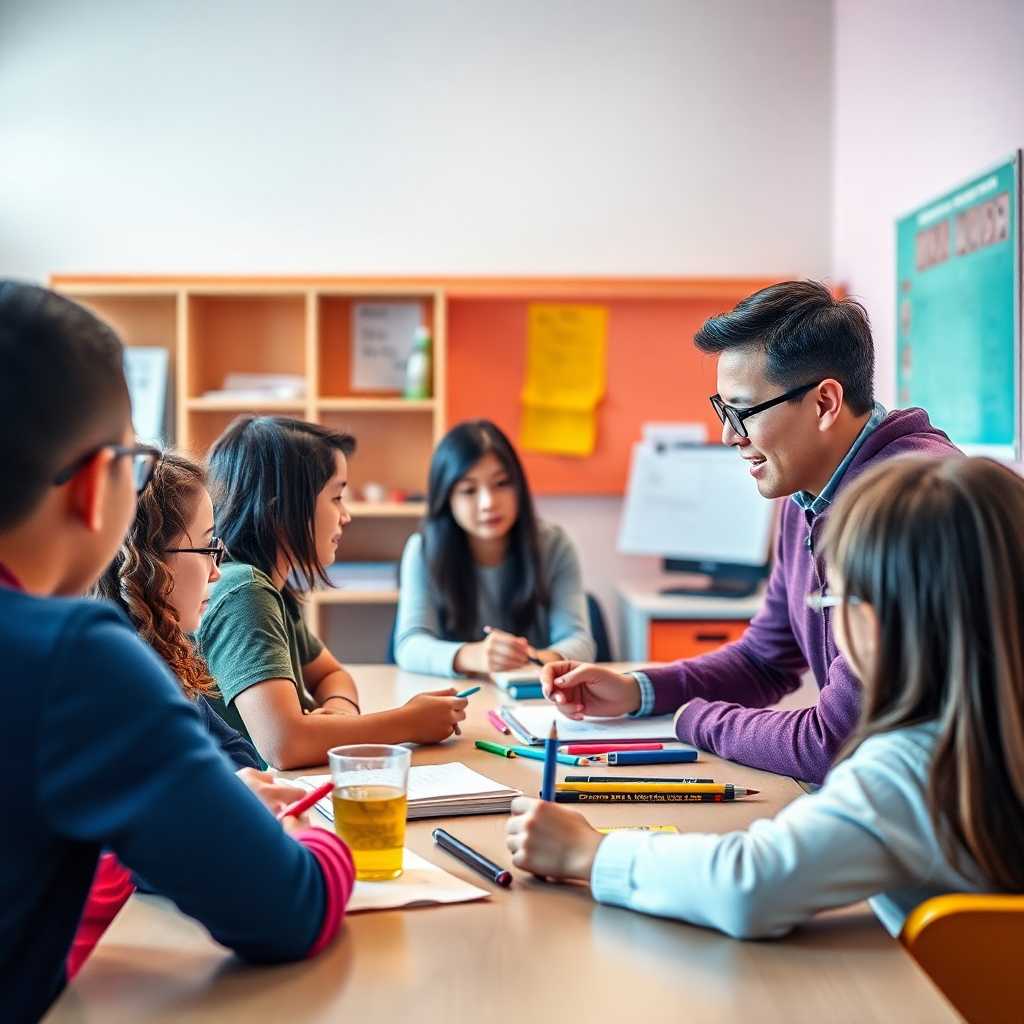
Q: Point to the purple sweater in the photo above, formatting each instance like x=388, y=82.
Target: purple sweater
x=730, y=690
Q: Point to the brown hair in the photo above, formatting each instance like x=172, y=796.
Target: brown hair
x=936, y=547
x=139, y=579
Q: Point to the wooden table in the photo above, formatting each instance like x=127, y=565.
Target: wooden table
x=539, y=951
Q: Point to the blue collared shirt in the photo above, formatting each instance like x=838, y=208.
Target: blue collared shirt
x=816, y=504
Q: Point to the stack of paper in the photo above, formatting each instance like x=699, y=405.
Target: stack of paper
x=439, y=790
x=533, y=724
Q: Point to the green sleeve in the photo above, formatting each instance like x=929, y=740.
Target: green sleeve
x=308, y=644
x=244, y=639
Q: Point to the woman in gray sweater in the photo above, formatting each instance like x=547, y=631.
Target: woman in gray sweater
x=485, y=586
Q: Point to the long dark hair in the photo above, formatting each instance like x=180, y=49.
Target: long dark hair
x=265, y=475
x=446, y=544
x=937, y=548
x=139, y=579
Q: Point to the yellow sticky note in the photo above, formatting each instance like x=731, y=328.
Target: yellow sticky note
x=566, y=369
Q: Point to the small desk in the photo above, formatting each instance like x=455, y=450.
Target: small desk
x=538, y=951
x=664, y=627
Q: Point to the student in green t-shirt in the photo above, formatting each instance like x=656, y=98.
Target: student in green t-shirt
x=278, y=489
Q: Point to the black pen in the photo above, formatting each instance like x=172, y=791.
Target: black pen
x=477, y=861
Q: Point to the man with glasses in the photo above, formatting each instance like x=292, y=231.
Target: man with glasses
x=795, y=397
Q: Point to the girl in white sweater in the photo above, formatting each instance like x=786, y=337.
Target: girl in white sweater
x=925, y=569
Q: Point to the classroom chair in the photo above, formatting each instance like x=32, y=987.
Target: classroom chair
x=972, y=947
x=598, y=630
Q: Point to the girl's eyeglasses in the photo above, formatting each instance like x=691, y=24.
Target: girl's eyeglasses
x=216, y=551
x=819, y=602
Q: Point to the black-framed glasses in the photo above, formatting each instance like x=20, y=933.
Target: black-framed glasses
x=735, y=416
x=216, y=551
x=144, y=462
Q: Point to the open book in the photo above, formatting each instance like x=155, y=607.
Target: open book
x=438, y=790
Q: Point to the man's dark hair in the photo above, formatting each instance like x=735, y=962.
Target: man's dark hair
x=62, y=392
x=807, y=335
x=265, y=474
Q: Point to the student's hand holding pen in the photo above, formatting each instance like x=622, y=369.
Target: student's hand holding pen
x=579, y=689
x=497, y=652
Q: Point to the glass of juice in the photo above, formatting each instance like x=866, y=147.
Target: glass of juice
x=370, y=787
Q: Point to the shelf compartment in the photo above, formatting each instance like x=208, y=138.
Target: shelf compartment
x=243, y=334
x=334, y=342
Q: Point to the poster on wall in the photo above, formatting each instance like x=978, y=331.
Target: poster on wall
x=958, y=345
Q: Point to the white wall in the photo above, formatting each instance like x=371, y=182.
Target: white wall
x=577, y=136
x=927, y=92
x=452, y=136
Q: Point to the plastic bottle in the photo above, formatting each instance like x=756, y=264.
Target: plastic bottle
x=418, y=375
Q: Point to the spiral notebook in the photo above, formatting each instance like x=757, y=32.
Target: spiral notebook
x=438, y=790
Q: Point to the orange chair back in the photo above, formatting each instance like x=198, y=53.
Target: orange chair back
x=972, y=947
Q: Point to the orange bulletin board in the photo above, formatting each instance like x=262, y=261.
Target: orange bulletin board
x=654, y=372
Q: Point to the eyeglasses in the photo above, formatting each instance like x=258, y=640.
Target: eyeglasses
x=216, y=551
x=819, y=602
x=144, y=462
x=735, y=416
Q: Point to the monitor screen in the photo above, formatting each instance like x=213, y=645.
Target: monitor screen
x=698, y=505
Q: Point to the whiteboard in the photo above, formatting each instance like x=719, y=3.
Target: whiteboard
x=695, y=503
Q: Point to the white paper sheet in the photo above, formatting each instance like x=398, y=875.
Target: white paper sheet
x=420, y=884
x=383, y=334
x=536, y=721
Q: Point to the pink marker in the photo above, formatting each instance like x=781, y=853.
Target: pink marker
x=609, y=748
x=498, y=722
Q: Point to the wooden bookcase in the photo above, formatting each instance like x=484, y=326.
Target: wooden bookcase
x=212, y=329
x=302, y=325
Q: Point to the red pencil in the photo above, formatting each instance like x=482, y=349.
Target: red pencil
x=307, y=801
x=608, y=748
x=498, y=722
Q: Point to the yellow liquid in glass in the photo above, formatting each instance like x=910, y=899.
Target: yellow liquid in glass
x=371, y=819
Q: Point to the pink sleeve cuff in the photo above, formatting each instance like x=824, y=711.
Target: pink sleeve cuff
x=339, y=875
x=111, y=886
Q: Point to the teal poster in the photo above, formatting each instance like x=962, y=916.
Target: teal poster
x=958, y=311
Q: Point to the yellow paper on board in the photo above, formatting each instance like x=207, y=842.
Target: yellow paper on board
x=558, y=431
x=566, y=369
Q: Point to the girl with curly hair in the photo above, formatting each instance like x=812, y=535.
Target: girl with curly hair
x=160, y=578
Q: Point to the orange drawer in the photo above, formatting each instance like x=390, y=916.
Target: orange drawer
x=670, y=639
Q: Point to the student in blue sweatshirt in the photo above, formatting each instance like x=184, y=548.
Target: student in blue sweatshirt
x=107, y=752
x=924, y=592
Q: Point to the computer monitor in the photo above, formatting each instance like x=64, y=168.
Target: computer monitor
x=697, y=508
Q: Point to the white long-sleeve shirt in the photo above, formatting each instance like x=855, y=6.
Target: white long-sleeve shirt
x=866, y=834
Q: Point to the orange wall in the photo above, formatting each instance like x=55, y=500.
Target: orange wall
x=654, y=373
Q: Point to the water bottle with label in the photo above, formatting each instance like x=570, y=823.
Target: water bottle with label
x=418, y=375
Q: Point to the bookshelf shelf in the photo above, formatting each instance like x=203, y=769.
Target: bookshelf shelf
x=230, y=404
x=389, y=405
x=329, y=597
x=387, y=509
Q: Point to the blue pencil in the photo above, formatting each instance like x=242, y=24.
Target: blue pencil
x=671, y=756
x=468, y=693
x=547, y=789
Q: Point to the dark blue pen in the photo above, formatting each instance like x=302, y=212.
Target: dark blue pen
x=547, y=791
x=671, y=756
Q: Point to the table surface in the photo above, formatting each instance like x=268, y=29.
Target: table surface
x=538, y=950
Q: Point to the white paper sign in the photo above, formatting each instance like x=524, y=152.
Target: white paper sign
x=383, y=334
x=146, y=372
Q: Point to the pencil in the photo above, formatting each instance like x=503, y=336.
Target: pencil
x=469, y=692
x=547, y=790
x=494, y=748
x=306, y=802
